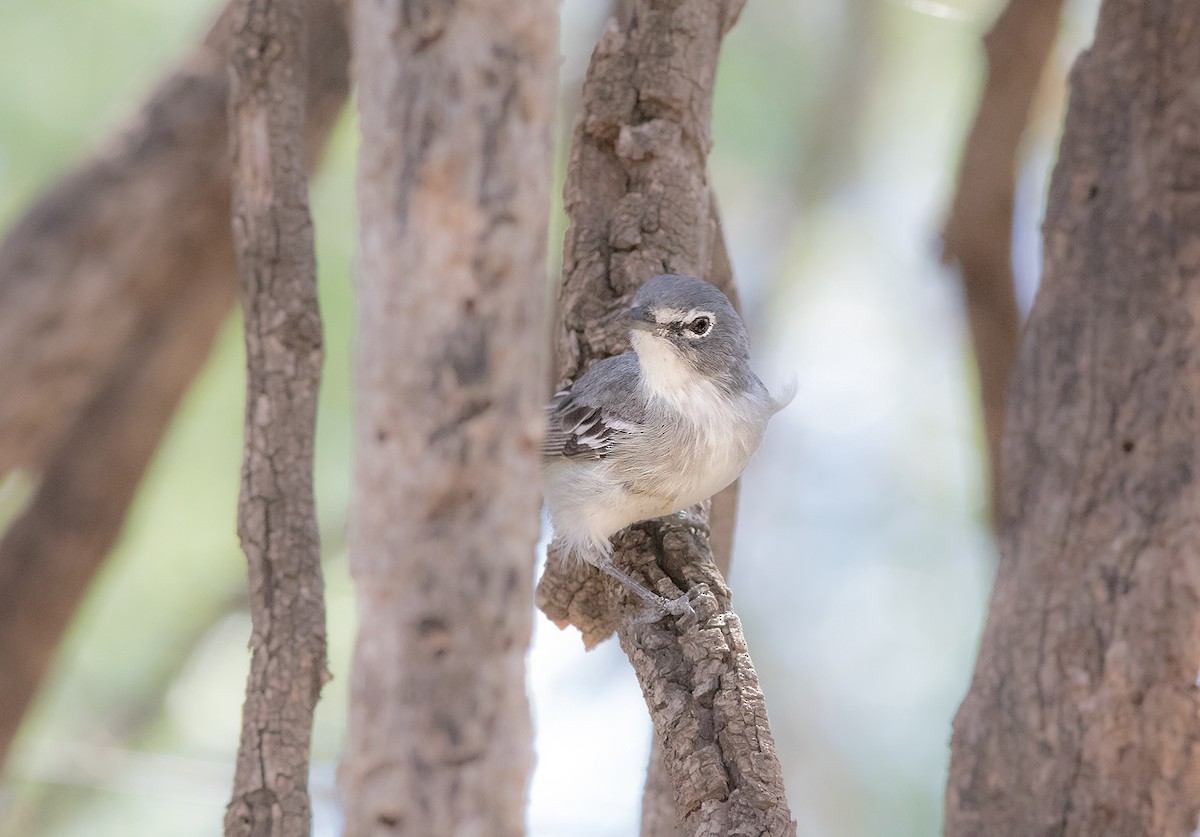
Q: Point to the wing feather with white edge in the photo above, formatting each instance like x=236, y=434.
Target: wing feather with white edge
x=578, y=430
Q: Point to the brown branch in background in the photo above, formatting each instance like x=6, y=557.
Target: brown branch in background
x=50, y=553
x=273, y=238
x=457, y=112
x=133, y=714
x=1081, y=716
x=658, y=797
x=110, y=247
x=639, y=204
x=978, y=234
x=112, y=288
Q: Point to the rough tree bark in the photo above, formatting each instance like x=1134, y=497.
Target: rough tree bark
x=639, y=203
x=457, y=104
x=978, y=234
x=273, y=237
x=112, y=287
x=1081, y=719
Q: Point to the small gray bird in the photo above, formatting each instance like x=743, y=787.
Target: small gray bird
x=656, y=429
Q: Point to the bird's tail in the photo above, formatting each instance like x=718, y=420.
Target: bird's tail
x=785, y=395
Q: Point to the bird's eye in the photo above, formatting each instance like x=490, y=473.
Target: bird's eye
x=700, y=326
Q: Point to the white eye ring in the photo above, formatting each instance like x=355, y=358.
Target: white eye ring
x=699, y=326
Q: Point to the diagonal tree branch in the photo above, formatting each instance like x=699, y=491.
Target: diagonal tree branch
x=639, y=202
x=978, y=234
x=272, y=231
x=51, y=552
x=116, y=240
x=112, y=287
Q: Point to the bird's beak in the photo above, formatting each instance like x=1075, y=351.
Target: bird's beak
x=641, y=318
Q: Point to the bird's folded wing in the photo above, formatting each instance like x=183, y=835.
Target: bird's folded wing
x=577, y=429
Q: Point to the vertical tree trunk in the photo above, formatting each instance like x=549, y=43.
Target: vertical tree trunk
x=272, y=232
x=639, y=202
x=457, y=103
x=979, y=230
x=104, y=330
x=1081, y=719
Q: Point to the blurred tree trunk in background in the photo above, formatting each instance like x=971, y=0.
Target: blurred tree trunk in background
x=457, y=106
x=639, y=203
x=273, y=235
x=1082, y=716
x=112, y=287
x=978, y=234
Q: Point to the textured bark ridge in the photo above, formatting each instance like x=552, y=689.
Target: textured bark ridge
x=640, y=204
x=1082, y=716
x=709, y=714
x=457, y=104
x=112, y=287
x=273, y=236
x=978, y=236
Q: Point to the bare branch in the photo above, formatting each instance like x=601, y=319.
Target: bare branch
x=457, y=102
x=50, y=553
x=708, y=710
x=978, y=235
x=117, y=239
x=272, y=232
x=639, y=203
x=112, y=287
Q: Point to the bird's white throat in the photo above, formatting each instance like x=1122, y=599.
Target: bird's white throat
x=717, y=432
x=668, y=376
x=663, y=370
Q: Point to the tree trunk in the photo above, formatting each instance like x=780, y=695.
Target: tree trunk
x=112, y=287
x=639, y=202
x=272, y=231
x=1081, y=719
x=457, y=103
x=978, y=235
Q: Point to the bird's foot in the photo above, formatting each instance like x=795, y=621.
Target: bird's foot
x=679, y=608
x=658, y=606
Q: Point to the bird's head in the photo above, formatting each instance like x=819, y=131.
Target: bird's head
x=681, y=327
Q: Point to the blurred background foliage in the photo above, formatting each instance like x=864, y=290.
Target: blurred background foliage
x=863, y=558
